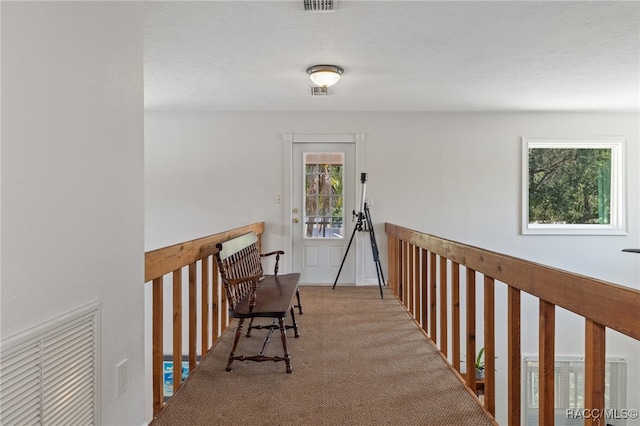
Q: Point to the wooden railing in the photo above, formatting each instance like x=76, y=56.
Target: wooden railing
x=171, y=263
x=424, y=269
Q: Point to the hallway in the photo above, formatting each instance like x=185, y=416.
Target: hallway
x=359, y=360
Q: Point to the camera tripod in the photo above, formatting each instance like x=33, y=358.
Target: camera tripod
x=364, y=223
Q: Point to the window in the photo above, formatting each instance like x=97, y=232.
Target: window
x=324, y=194
x=573, y=186
x=569, y=390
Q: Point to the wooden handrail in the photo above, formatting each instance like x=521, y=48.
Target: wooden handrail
x=162, y=261
x=413, y=262
x=171, y=262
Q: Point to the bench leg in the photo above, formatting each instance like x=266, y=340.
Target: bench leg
x=249, y=328
x=299, y=305
x=283, y=334
x=294, y=323
x=235, y=343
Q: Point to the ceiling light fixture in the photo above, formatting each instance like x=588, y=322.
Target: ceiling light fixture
x=325, y=75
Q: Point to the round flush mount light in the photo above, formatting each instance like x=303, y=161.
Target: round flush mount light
x=325, y=75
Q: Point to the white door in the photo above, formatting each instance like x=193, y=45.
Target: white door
x=323, y=201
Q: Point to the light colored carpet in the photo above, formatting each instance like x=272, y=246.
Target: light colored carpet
x=359, y=360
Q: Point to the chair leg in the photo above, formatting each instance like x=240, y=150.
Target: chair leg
x=235, y=344
x=283, y=335
x=299, y=305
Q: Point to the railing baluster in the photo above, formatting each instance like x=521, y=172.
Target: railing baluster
x=489, y=345
x=411, y=302
x=455, y=314
x=424, y=287
x=408, y=294
x=177, y=329
x=204, y=305
x=216, y=298
x=513, y=356
x=406, y=253
x=157, y=345
x=391, y=249
x=594, y=368
x=415, y=255
x=433, y=309
x=398, y=268
x=193, y=316
x=471, y=328
x=444, y=312
x=546, y=365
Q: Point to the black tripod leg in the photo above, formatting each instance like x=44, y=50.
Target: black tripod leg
x=374, y=249
x=376, y=260
x=379, y=270
x=353, y=234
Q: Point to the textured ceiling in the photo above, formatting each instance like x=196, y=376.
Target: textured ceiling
x=397, y=56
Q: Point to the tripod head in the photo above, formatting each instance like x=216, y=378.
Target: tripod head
x=363, y=179
x=360, y=215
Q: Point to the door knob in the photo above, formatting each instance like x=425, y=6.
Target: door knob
x=296, y=220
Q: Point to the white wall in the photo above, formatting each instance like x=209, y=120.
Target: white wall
x=455, y=175
x=72, y=178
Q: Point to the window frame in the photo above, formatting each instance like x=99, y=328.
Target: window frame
x=617, y=225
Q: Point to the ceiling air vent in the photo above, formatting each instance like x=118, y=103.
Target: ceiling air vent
x=318, y=91
x=320, y=5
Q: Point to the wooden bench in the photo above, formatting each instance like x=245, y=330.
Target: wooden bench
x=252, y=294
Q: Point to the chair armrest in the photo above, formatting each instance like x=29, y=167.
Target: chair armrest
x=277, y=253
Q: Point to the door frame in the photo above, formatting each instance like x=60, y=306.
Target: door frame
x=291, y=138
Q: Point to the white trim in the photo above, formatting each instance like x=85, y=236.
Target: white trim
x=618, y=225
x=323, y=138
x=287, y=215
x=289, y=139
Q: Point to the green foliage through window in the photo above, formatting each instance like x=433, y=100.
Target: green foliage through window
x=570, y=186
x=324, y=192
x=573, y=186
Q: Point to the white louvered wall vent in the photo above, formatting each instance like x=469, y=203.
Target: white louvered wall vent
x=321, y=5
x=49, y=375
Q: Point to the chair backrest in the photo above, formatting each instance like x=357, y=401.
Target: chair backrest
x=239, y=258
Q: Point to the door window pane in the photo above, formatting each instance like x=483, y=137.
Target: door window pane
x=323, y=197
